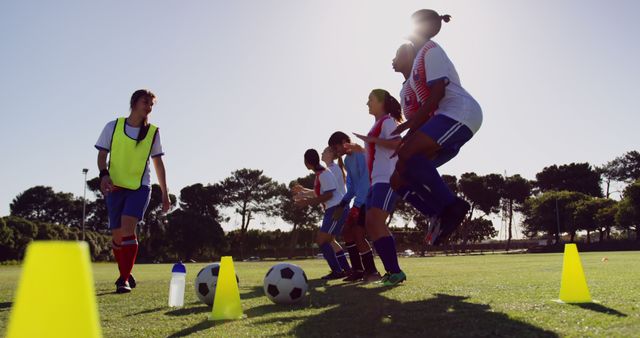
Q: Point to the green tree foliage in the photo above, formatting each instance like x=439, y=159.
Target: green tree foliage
x=515, y=192
x=307, y=217
x=193, y=236
x=41, y=203
x=250, y=193
x=552, y=213
x=577, y=177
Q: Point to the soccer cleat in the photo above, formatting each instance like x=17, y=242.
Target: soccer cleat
x=371, y=277
x=384, y=278
x=122, y=286
x=395, y=279
x=451, y=218
x=354, y=276
x=334, y=275
x=131, y=280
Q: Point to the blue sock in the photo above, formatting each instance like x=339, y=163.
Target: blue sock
x=386, y=248
x=425, y=177
x=330, y=256
x=342, y=260
x=421, y=201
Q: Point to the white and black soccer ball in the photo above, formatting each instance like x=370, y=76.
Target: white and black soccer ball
x=206, y=282
x=285, y=283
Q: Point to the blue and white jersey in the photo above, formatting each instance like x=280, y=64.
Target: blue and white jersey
x=357, y=179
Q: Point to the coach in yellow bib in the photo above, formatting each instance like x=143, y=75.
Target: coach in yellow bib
x=129, y=156
x=126, y=184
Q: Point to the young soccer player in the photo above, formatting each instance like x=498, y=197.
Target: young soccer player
x=125, y=179
x=326, y=193
x=447, y=118
x=354, y=233
x=380, y=145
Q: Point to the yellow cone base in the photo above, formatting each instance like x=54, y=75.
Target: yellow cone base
x=55, y=296
x=226, y=303
x=573, y=287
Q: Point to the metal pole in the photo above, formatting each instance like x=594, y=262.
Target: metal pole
x=84, y=200
x=558, y=220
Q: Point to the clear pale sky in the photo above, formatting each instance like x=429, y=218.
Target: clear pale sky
x=255, y=83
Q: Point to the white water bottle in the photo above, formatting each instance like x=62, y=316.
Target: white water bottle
x=176, y=288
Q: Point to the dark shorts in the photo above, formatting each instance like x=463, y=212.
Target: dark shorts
x=125, y=202
x=450, y=134
x=381, y=196
x=333, y=227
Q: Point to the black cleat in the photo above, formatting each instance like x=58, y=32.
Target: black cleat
x=451, y=218
x=122, y=286
x=354, y=276
x=334, y=275
x=131, y=280
x=371, y=277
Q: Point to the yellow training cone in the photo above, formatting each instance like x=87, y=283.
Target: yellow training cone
x=573, y=288
x=55, y=296
x=226, y=303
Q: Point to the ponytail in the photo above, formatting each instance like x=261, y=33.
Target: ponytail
x=446, y=18
x=312, y=157
x=390, y=105
x=341, y=165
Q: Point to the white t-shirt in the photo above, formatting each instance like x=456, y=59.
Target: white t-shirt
x=382, y=166
x=328, y=183
x=339, y=176
x=432, y=63
x=104, y=143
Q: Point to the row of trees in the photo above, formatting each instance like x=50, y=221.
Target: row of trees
x=565, y=199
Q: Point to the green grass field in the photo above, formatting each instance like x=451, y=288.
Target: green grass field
x=489, y=295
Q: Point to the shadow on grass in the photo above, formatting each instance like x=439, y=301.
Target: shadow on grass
x=146, y=311
x=106, y=293
x=363, y=312
x=600, y=308
x=186, y=311
x=203, y=325
x=257, y=291
x=6, y=305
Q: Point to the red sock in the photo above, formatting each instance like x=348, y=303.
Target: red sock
x=128, y=253
x=117, y=254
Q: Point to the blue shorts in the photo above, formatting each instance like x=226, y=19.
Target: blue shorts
x=450, y=134
x=381, y=196
x=329, y=225
x=125, y=202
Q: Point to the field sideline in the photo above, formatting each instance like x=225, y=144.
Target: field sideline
x=487, y=295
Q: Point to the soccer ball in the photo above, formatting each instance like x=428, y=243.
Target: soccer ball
x=206, y=282
x=285, y=283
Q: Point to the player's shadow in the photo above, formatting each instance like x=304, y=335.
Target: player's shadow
x=186, y=311
x=600, y=308
x=5, y=305
x=257, y=291
x=365, y=312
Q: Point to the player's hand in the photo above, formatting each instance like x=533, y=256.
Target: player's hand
x=366, y=139
x=402, y=127
x=297, y=189
x=353, y=147
x=337, y=214
x=106, y=185
x=166, y=203
x=354, y=214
